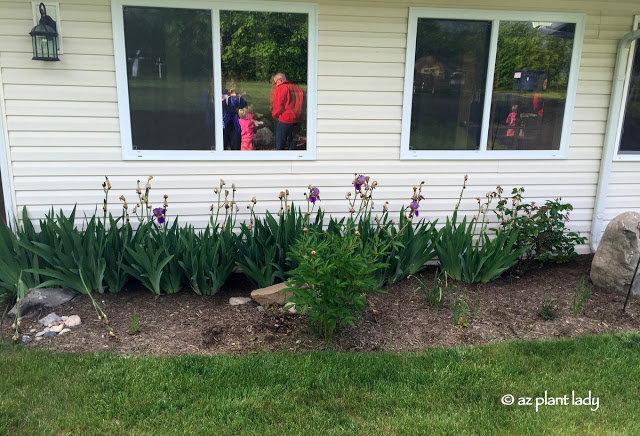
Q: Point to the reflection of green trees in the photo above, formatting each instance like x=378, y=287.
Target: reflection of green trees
x=189, y=31
x=455, y=44
x=256, y=45
x=181, y=38
x=521, y=46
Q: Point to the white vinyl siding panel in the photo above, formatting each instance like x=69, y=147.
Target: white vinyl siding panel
x=63, y=127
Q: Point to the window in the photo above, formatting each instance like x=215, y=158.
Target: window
x=489, y=85
x=201, y=80
x=629, y=129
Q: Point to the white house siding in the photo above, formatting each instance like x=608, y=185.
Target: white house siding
x=62, y=128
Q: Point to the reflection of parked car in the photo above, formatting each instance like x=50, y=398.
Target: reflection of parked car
x=456, y=79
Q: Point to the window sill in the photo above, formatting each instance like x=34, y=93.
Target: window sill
x=203, y=155
x=482, y=155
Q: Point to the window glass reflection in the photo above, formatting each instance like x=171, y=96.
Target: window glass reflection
x=530, y=85
x=630, y=137
x=169, y=68
x=450, y=74
x=264, y=78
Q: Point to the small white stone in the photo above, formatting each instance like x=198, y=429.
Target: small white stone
x=63, y=331
x=290, y=307
x=73, y=321
x=238, y=301
x=64, y=318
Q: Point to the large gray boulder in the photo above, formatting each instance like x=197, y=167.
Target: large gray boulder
x=617, y=254
x=41, y=298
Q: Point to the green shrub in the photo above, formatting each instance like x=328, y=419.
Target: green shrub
x=336, y=269
x=335, y=273
x=541, y=228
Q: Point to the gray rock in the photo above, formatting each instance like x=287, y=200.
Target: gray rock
x=49, y=319
x=37, y=299
x=271, y=295
x=26, y=339
x=73, y=321
x=617, y=254
x=264, y=138
x=238, y=301
x=42, y=332
x=48, y=334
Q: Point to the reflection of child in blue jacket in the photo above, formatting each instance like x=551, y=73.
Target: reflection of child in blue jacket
x=231, y=126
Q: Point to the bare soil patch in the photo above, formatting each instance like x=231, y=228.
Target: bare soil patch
x=399, y=320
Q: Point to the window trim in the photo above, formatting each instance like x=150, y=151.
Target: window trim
x=623, y=107
x=122, y=88
x=495, y=17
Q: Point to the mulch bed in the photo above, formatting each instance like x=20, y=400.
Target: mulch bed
x=399, y=320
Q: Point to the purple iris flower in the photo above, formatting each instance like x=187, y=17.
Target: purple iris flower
x=360, y=180
x=314, y=194
x=414, y=205
x=159, y=212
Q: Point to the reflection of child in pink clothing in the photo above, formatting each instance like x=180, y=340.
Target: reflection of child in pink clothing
x=511, y=120
x=247, y=129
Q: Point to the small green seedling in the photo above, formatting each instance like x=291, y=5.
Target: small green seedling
x=547, y=312
x=581, y=294
x=134, y=326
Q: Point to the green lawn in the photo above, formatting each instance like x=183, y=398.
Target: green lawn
x=441, y=391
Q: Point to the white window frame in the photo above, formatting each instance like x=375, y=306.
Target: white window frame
x=495, y=17
x=623, y=107
x=128, y=153
x=7, y=186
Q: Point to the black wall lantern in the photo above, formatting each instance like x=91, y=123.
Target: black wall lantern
x=45, y=38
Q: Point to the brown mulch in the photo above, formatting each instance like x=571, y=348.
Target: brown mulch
x=399, y=320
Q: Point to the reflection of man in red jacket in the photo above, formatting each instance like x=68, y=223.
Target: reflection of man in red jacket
x=287, y=107
x=538, y=108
